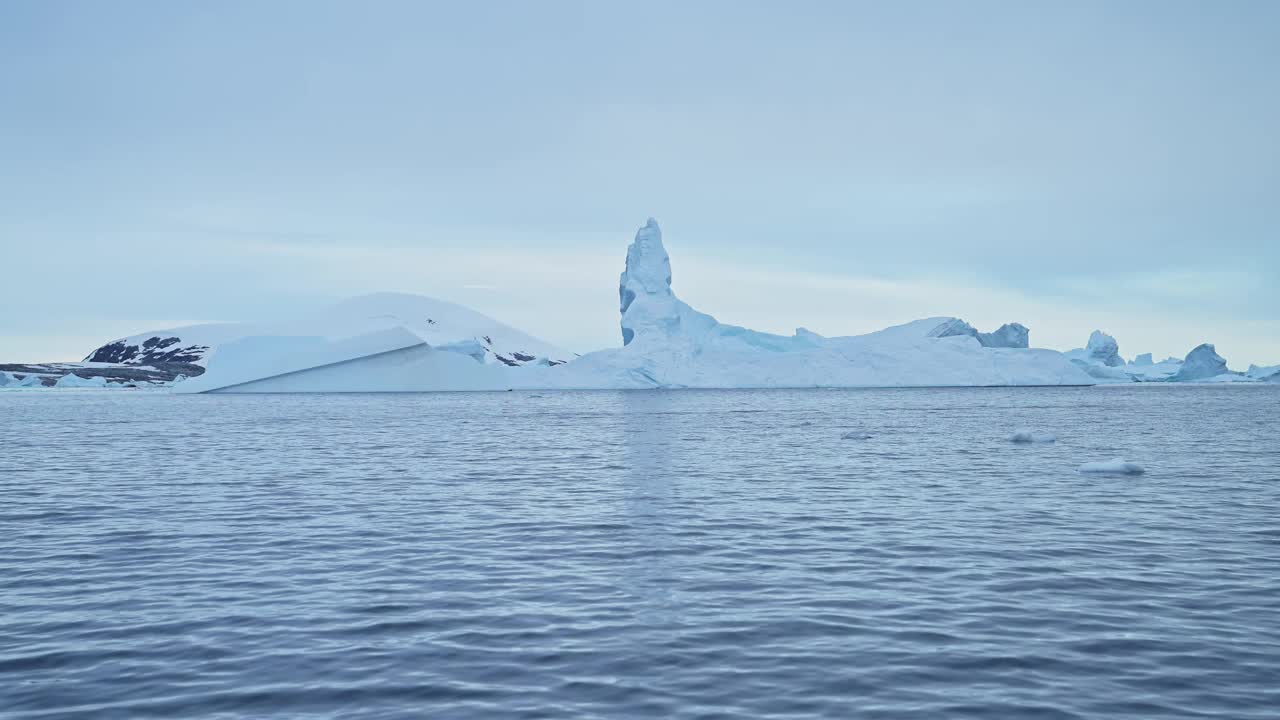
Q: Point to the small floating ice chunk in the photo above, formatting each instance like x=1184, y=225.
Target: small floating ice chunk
x=1032, y=436
x=1112, y=467
x=856, y=435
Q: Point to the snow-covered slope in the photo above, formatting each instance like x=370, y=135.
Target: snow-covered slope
x=666, y=343
x=383, y=341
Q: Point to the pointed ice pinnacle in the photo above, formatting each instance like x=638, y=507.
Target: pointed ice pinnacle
x=649, y=308
x=648, y=275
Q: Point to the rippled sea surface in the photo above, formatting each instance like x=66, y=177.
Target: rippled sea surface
x=640, y=554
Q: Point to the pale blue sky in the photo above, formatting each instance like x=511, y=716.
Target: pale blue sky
x=837, y=165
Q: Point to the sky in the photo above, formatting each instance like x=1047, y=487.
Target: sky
x=841, y=166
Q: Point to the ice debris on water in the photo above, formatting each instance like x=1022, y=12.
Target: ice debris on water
x=856, y=435
x=1032, y=436
x=1115, y=466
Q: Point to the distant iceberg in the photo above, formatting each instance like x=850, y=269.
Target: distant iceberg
x=1101, y=360
x=71, y=380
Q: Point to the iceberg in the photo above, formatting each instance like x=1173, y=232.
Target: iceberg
x=391, y=342
x=1009, y=335
x=384, y=342
x=1202, y=363
x=71, y=380
x=1265, y=374
x=668, y=344
x=1143, y=369
x=1101, y=360
x=1102, y=349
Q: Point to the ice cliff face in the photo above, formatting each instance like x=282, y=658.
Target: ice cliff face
x=1009, y=335
x=1201, y=363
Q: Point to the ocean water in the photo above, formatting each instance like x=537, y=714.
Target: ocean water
x=688, y=554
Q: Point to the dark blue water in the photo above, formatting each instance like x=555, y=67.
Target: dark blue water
x=643, y=554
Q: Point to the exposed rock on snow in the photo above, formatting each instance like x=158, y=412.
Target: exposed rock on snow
x=1032, y=436
x=1116, y=466
x=1201, y=363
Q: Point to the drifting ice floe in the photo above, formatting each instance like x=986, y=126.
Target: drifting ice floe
x=855, y=435
x=1032, y=436
x=1116, y=466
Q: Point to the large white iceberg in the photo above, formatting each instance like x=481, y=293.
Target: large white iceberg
x=409, y=343
x=666, y=343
